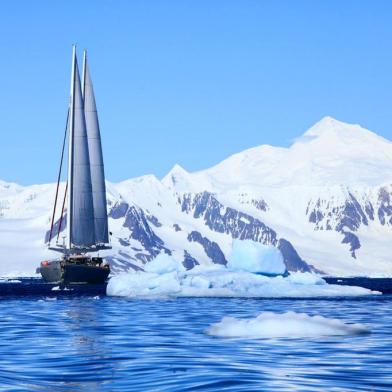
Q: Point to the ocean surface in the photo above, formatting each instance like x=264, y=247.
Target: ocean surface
x=98, y=343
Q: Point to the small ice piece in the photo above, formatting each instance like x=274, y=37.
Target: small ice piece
x=283, y=325
x=255, y=257
x=6, y=280
x=56, y=288
x=305, y=278
x=163, y=264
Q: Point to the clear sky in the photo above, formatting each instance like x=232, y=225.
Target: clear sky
x=188, y=82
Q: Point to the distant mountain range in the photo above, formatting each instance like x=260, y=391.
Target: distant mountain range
x=325, y=202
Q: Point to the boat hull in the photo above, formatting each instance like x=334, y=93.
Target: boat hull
x=60, y=271
x=51, y=271
x=76, y=273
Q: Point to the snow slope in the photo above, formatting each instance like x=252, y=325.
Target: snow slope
x=325, y=202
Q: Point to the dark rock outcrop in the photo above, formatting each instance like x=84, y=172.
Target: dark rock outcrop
x=118, y=210
x=140, y=230
x=291, y=258
x=348, y=217
x=385, y=207
x=212, y=249
x=353, y=241
x=226, y=219
x=189, y=262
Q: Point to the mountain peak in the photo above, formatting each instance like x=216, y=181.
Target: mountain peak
x=331, y=152
x=178, y=170
x=329, y=125
x=177, y=177
x=332, y=132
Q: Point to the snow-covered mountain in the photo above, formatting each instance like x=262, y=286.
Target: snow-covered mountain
x=325, y=202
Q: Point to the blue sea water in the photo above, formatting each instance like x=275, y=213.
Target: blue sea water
x=115, y=344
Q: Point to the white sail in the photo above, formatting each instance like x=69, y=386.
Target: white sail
x=81, y=233
x=96, y=159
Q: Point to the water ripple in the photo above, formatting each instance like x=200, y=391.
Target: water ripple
x=115, y=344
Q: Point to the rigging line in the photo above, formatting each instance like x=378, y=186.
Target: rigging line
x=58, y=179
x=62, y=212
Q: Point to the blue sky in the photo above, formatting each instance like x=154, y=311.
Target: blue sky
x=188, y=82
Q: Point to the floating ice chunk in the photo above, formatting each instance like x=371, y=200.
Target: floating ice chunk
x=7, y=280
x=305, y=278
x=252, y=256
x=287, y=325
x=58, y=288
x=198, y=282
x=163, y=264
x=217, y=281
x=144, y=284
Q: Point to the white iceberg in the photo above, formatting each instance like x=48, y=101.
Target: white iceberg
x=218, y=281
x=163, y=263
x=251, y=256
x=283, y=325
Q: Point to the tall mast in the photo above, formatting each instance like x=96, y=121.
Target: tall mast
x=70, y=151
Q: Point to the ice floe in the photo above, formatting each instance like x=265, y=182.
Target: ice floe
x=287, y=325
x=219, y=281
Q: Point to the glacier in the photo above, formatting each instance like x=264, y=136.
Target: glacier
x=325, y=203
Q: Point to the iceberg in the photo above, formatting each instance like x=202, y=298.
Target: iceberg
x=219, y=281
x=251, y=256
x=163, y=263
x=283, y=325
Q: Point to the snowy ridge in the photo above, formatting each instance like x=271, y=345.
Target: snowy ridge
x=325, y=202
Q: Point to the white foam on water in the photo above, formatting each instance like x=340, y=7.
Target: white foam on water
x=283, y=325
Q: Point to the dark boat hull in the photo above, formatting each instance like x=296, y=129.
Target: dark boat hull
x=60, y=271
x=76, y=273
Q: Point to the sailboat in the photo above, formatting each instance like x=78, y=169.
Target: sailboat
x=85, y=217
